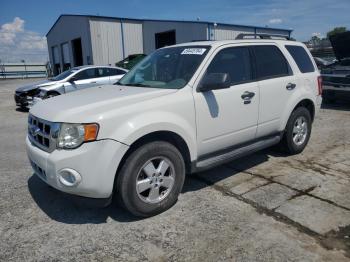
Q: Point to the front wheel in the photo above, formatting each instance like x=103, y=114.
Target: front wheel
x=151, y=179
x=298, y=130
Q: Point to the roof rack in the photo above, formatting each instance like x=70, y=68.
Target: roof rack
x=262, y=36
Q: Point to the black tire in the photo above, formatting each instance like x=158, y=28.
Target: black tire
x=129, y=174
x=287, y=144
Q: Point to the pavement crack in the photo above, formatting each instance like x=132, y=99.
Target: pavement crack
x=323, y=240
x=302, y=192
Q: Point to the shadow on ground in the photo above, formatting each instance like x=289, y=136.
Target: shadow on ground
x=60, y=207
x=22, y=110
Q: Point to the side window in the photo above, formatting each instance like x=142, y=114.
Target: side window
x=114, y=71
x=86, y=74
x=301, y=58
x=270, y=62
x=102, y=72
x=235, y=62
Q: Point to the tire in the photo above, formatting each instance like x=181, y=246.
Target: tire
x=290, y=143
x=141, y=167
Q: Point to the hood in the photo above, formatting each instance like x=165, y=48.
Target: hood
x=90, y=105
x=30, y=87
x=341, y=45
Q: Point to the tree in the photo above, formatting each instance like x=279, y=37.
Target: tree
x=336, y=30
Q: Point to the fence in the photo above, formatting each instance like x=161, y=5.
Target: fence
x=23, y=70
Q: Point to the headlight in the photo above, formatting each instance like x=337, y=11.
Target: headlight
x=73, y=135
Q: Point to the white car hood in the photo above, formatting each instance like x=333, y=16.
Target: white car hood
x=36, y=85
x=90, y=105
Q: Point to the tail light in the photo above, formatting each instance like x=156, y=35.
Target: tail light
x=319, y=83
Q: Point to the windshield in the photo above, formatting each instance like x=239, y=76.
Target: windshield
x=169, y=68
x=63, y=75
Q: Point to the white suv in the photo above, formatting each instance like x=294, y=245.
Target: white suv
x=183, y=109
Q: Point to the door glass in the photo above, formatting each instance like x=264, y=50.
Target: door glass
x=233, y=61
x=301, y=58
x=86, y=74
x=270, y=62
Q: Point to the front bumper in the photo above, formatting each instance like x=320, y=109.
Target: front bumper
x=96, y=162
x=23, y=100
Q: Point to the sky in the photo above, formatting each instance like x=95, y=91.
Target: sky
x=24, y=24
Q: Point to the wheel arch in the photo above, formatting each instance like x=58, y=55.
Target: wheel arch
x=308, y=103
x=163, y=135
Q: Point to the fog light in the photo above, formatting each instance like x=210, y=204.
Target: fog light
x=69, y=177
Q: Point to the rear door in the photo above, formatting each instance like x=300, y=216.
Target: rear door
x=306, y=67
x=115, y=74
x=276, y=84
x=102, y=74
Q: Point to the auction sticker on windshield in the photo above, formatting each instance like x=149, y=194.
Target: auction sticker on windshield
x=193, y=51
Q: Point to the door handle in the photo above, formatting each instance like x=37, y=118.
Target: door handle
x=93, y=82
x=247, y=96
x=291, y=86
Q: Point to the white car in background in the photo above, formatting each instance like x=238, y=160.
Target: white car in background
x=71, y=80
x=82, y=77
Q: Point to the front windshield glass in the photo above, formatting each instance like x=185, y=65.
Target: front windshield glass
x=169, y=68
x=63, y=75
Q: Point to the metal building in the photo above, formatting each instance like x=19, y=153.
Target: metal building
x=76, y=40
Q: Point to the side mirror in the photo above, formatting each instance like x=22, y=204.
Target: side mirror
x=214, y=81
x=72, y=79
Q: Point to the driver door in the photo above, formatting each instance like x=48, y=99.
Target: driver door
x=84, y=79
x=223, y=117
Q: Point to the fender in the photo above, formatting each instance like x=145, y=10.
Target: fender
x=59, y=87
x=143, y=124
x=303, y=94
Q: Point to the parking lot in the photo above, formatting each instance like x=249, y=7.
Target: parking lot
x=264, y=207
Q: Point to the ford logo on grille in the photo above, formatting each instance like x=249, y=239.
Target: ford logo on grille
x=34, y=130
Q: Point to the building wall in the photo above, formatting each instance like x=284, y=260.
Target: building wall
x=228, y=32
x=185, y=32
x=272, y=31
x=133, y=37
x=224, y=32
x=67, y=29
x=112, y=40
x=106, y=41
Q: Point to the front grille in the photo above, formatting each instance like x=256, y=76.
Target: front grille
x=42, y=133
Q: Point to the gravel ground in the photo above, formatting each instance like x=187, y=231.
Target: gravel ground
x=265, y=207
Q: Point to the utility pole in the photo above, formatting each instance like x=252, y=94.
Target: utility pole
x=25, y=67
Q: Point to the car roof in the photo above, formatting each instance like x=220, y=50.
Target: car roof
x=96, y=66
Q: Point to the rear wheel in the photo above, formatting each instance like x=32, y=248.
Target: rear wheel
x=151, y=179
x=298, y=130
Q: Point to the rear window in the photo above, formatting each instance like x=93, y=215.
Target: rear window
x=270, y=62
x=301, y=58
